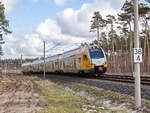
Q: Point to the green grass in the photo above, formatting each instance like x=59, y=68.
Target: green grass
x=102, y=95
x=60, y=101
x=57, y=100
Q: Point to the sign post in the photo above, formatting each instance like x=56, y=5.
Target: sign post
x=137, y=57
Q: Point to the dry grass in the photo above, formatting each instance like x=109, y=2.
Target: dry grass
x=18, y=95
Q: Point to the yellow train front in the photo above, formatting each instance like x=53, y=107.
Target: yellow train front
x=89, y=59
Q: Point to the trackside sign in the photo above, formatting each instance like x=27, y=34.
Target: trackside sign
x=137, y=55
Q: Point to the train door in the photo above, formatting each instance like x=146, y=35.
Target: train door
x=61, y=66
x=64, y=66
x=56, y=65
x=52, y=67
x=85, y=62
x=75, y=64
x=78, y=63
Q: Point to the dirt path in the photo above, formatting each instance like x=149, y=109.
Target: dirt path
x=18, y=95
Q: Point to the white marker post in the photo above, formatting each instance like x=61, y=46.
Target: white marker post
x=137, y=57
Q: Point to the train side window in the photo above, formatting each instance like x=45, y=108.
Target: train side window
x=85, y=57
x=63, y=64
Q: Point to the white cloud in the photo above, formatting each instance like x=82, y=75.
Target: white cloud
x=48, y=27
x=72, y=26
x=77, y=22
x=32, y=44
x=10, y=4
x=49, y=30
x=28, y=45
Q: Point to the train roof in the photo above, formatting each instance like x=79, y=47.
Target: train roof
x=71, y=50
x=37, y=61
x=26, y=64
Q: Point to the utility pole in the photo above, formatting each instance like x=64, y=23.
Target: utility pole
x=21, y=60
x=137, y=57
x=5, y=67
x=44, y=59
x=1, y=68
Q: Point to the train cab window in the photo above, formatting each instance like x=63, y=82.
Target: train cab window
x=96, y=47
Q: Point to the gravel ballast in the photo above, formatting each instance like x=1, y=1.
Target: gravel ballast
x=122, y=88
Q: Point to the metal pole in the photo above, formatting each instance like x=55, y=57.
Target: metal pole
x=21, y=61
x=44, y=59
x=5, y=68
x=0, y=65
x=137, y=65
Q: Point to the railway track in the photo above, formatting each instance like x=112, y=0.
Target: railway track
x=145, y=80
x=123, y=86
x=125, y=78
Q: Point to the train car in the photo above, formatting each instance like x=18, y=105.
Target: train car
x=26, y=68
x=89, y=59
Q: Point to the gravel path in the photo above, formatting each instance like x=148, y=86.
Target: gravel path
x=107, y=85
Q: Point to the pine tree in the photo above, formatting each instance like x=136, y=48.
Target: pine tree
x=97, y=23
x=3, y=26
x=126, y=17
x=144, y=12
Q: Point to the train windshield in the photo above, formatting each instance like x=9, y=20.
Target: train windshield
x=96, y=52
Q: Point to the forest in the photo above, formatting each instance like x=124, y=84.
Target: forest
x=118, y=41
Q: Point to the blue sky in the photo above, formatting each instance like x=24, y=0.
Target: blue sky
x=28, y=14
x=55, y=21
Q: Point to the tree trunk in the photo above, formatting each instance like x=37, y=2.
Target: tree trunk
x=131, y=47
x=98, y=39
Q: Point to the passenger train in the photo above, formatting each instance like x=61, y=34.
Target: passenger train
x=89, y=59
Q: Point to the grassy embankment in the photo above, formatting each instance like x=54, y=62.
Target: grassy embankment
x=34, y=94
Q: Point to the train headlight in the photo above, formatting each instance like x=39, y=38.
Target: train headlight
x=105, y=65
